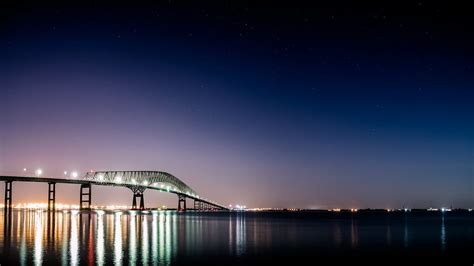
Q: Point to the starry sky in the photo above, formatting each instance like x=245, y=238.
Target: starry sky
x=338, y=105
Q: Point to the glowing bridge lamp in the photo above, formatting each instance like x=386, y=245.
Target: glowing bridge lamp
x=101, y=177
x=39, y=172
x=118, y=179
x=74, y=174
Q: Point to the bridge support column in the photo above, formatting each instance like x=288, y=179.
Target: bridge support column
x=197, y=205
x=140, y=196
x=8, y=195
x=85, y=204
x=181, y=199
x=51, y=196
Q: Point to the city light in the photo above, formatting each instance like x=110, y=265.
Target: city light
x=74, y=174
x=24, y=169
x=65, y=172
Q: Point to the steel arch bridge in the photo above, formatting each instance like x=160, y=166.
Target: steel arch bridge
x=136, y=181
x=139, y=181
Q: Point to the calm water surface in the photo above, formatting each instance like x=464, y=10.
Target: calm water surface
x=167, y=237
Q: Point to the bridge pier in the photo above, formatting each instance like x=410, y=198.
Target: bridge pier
x=197, y=205
x=8, y=195
x=181, y=199
x=51, y=196
x=85, y=204
x=140, y=196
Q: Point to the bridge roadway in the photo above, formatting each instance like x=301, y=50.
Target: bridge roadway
x=86, y=184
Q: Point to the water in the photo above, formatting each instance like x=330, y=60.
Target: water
x=167, y=238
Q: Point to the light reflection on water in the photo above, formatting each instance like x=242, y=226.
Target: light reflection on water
x=38, y=248
x=118, y=254
x=163, y=238
x=100, y=239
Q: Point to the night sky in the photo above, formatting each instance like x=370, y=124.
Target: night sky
x=338, y=105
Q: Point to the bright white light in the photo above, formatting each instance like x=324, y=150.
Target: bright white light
x=65, y=172
x=162, y=185
x=39, y=172
x=73, y=174
x=101, y=177
x=118, y=179
x=134, y=181
x=24, y=169
x=145, y=183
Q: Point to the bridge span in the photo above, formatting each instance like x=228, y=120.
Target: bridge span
x=136, y=181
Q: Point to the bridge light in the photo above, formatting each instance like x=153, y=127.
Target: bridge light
x=65, y=172
x=134, y=181
x=145, y=183
x=39, y=172
x=73, y=174
x=162, y=185
x=101, y=177
x=24, y=169
x=118, y=179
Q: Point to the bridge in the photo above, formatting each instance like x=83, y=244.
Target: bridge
x=136, y=181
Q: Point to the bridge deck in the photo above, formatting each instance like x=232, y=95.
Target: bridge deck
x=44, y=180
x=92, y=182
